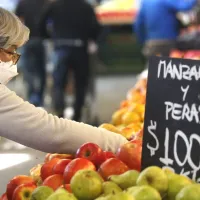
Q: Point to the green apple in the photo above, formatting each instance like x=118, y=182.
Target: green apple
x=154, y=177
x=176, y=183
x=144, y=192
x=61, y=194
x=190, y=192
x=125, y=180
x=86, y=184
x=41, y=193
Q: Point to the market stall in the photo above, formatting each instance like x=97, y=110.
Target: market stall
x=143, y=168
x=96, y=174
x=188, y=43
x=117, y=12
x=118, y=39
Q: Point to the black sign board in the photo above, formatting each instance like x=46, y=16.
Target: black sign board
x=172, y=118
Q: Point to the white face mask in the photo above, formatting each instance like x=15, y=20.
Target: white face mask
x=7, y=71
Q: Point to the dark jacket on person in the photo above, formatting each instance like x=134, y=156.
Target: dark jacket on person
x=70, y=19
x=29, y=11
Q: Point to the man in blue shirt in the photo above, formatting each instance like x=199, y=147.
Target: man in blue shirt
x=156, y=24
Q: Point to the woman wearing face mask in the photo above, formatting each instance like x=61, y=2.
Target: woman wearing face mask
x=22, y=122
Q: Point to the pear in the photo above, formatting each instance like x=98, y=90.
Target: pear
x=168, y=172
x=125, y=180
x=41, y=193
x=144, y=192
x=110, y=188
x=86, y=184
x=176, y=183
x=154, y=177
x=118, y=196
x=189, y=192
x=61, y=194
x=102, y=197
x=131, y=190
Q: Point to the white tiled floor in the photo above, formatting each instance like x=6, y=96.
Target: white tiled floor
x=16, y=159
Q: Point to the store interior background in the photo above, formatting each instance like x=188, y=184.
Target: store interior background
x=115, y=69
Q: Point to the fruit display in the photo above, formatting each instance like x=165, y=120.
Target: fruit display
x=103, y=183
x=117, y=12
x=95, y=174
x=129, y=118
x=187, y=44
x=190, y=54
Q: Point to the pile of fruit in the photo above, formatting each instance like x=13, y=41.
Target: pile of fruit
x=94, y=174
x=190, y=54
x=129, y=118
x=58, y=170
x=81, y=179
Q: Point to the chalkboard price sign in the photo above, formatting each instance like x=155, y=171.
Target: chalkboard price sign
x=172, y=118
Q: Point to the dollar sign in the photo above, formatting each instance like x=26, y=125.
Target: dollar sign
x=152, y=127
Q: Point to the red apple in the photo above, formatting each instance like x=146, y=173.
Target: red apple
x=60, y=166
x=112, y=166
x=54, y=181
x=24, y=191
x=15, y=182
x=192, y=54
x=67, y=187
x=109, y=154
x=131, y=153
x=91, y=152
x=4, y=197
x=76, y=165
x=47, y=168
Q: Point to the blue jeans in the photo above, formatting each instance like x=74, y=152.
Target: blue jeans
x=77, y=59
x=32, y=64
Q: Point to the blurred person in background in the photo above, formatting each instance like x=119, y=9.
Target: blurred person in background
x=33, y=53
x=157, y=26
x=74, y=24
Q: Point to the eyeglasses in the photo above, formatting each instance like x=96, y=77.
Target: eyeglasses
x=15, y=56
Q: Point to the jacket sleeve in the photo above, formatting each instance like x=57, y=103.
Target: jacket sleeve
x=138, y=26
x=21, y=122
x=181, y=5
